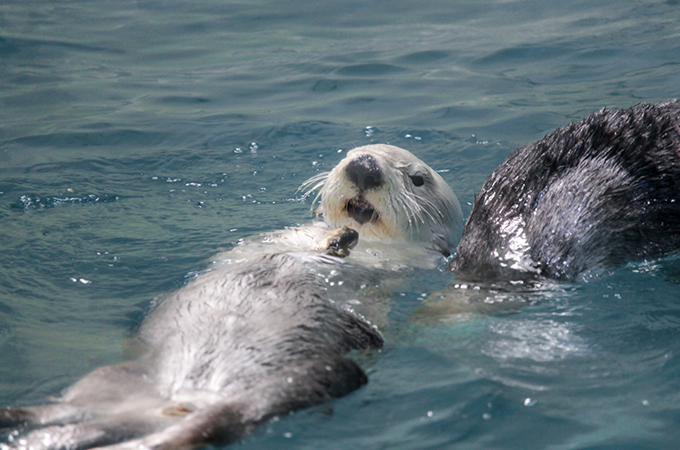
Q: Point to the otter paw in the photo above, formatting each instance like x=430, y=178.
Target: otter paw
x=340, y=241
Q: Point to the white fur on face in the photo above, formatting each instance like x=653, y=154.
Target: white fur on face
x=413, y=202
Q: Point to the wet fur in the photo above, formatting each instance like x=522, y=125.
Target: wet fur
x=428, y=214
x=229, y=350
x=586, y=198
x=257, y=335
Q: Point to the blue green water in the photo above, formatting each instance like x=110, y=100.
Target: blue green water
x=138, y=138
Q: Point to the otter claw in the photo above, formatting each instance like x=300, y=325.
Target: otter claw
x=341, y=241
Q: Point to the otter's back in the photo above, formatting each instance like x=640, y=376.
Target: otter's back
x=588, y=197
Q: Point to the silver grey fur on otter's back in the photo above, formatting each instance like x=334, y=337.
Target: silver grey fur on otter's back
x=229, y=350
x=257, y=335
x=586, y=198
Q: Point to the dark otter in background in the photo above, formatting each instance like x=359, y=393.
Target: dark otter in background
x=586, y=198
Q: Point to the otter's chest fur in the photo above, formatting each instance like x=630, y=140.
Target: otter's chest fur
x=233, y=328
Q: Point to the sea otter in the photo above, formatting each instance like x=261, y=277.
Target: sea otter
x=587, y=198
x=404, y=212
x=229, y=350
x=259, y=334
x=385, y=191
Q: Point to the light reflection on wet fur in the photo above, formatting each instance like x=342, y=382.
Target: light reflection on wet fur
x=262, y=332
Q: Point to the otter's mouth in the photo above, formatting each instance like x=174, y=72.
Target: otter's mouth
x=361, y=211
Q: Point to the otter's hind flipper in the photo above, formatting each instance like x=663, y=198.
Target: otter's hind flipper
x=87, y=434
x=305, y=385
x=218, y=424
x=38, y=416
x=111, y=404
x=16, y=417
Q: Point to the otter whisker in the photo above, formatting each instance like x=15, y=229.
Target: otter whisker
x=319, y=185
x=417, y=207
x=410, y=215
x=314, y=202
x=399, y=203
x=313, y=183
x=314, y=188
x=431, y=208
x=413, y=213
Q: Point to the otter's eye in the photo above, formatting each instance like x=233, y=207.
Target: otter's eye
x=417, y=180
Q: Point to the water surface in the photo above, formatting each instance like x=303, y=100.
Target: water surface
x=139, y=138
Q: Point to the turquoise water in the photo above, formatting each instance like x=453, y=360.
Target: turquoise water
x=138, y=138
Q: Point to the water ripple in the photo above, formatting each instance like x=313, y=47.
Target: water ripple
x=29, y=202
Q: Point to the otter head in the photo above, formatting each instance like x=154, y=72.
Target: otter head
x=385, y=192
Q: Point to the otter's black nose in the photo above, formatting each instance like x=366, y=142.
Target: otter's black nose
x=364, y=172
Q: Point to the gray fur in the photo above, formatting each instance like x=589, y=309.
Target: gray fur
x=260, y=337
x=586, y=198
x=234, y=347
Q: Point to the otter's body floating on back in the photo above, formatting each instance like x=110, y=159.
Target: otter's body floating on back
x=260, y=334
x=231, y=349
x=247, y=341
x=586, y=198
